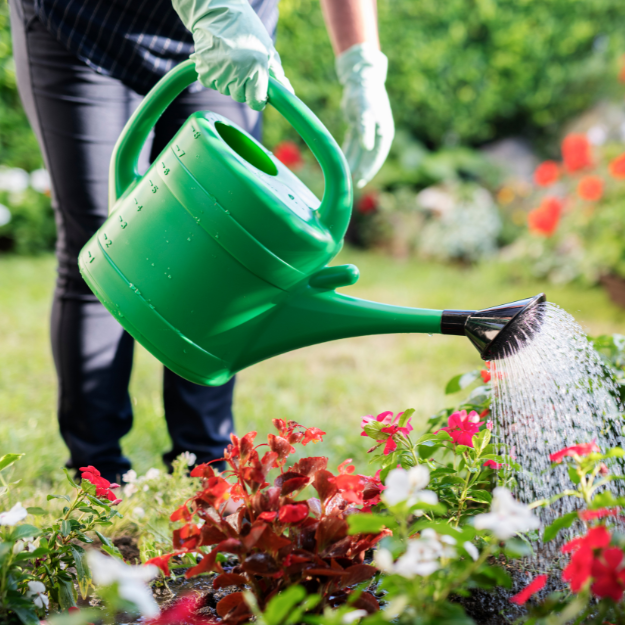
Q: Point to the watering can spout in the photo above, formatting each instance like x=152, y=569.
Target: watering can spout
x=500, y=330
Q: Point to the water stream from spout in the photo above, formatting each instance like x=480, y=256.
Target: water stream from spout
x=550, y=391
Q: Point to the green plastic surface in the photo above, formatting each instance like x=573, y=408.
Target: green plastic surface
x=215, y=259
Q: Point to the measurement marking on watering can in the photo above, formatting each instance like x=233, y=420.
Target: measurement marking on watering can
x=91, y=257
x=139, y=206
x=154, y=187
x=179, y=151
x=196, y=133
x=123, y=223
x=109, y=242
x=165, y=168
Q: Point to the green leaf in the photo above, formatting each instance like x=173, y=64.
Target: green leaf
x=88, y=487
x=25, y=531
x=49, y=497
x=8, y=459
x=85, y=616
x=403, y=420
x=66, y=528
x=483, y=496
x=67, y=597
x=82, y=570
x=517, y=548
x=565, y=521
x=281, y=605
x=35, y=511
x=367, y=523
x=458, y=382
x=573, y=475
x=26, y=615
x=70, y=479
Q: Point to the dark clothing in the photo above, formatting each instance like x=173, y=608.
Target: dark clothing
x=135, y=41
x=77, y=115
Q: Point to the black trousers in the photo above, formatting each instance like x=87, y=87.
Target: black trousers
x=77, y=116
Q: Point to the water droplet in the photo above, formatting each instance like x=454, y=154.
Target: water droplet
x=188, y=238
x=291, y=196
x=169, y=276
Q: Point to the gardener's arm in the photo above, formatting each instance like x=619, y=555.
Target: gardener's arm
x=361, y=68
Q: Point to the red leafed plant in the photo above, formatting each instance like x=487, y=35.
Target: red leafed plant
x=277, y=539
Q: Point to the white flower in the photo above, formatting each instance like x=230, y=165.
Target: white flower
x=130, y=476
x=471, y=549
x=507, y=516
x=139, y=512
x=131, y=580
x=189, y=458
x=597, y=135
x=422, y=556
x=36, y=592
x=130, y=490
x=5, y=215
x=13, y=179
x=152, y=474
x=408, y=486
x=383, y=560
x=40, y=180
x=356, y=615
x=14, y=515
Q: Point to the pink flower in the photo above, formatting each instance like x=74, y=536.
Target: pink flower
x=491, y=464
x=462, y=427
x=489, y=425
x=589, y=515
x=391, y=428
x=575, y=450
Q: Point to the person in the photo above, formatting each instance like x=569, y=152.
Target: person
x=82, y=68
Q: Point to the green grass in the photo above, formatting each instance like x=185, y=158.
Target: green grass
x=330, y=386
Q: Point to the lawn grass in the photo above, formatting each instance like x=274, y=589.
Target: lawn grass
x=330, y=386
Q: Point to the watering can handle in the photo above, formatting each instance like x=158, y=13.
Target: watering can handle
x=336, y=206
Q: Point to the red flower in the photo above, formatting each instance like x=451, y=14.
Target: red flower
x=544, y=219
x=462, y=427
x=368, y=203
x=491, y=464
x=608, y=574
x=579, y=569
x=162, y=562
x=288, y=152
x=576, y=153
x=575, y=450
x=485, y=376
x=590, y=188
x=589, y=515
x=547, y=173
x=92, y=475
x=268, y=516
x=313, y=435
x=538, y=583
x=617, y=167
x=293, y=513
x=183, y=611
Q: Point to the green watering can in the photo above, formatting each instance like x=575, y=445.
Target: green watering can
x=216, y=258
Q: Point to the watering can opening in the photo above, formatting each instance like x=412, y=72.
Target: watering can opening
x=500, y=330
x=246, y=148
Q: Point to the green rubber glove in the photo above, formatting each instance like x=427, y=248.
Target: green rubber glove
x=362, y=72
x=234, y=53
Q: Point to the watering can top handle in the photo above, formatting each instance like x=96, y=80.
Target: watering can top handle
x=335, y=209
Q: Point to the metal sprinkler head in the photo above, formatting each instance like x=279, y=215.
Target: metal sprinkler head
x=499, y=330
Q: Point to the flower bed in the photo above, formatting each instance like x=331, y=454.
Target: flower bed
x=434, y=536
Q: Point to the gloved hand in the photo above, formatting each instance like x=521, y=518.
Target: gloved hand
x=362, y=72
x=234, y=53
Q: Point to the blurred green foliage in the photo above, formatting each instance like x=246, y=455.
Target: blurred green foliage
x=467, y=71
x=31, y=229
x=18, y=146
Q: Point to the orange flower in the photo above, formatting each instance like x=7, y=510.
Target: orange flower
x=576, y=153
x=547, y=173
x=544, y=219
x=617, y=167
x=590, y=188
